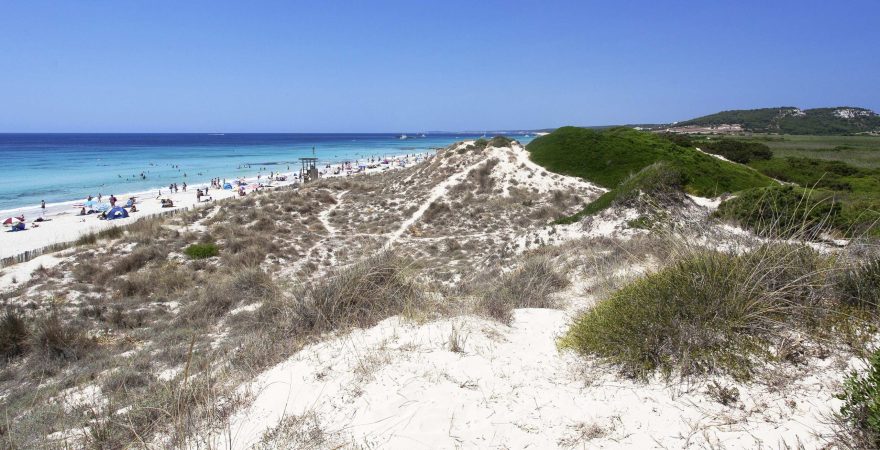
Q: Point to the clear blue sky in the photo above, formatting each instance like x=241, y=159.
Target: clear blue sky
x=324, y=66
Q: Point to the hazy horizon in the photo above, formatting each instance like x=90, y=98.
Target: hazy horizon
x=384, y=67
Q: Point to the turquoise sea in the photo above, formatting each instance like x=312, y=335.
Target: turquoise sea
x=64, y=167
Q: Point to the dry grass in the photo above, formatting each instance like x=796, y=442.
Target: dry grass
x=528, y=286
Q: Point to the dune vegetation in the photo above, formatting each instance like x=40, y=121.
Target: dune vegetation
x=616, y=158
x=443, y=284
x=608, y=157
x=844, y=197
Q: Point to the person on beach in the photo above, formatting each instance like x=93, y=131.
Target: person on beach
x=42, y=207
x=99, y=197
x=112, y=201
x=184, y=185
x=198, y=195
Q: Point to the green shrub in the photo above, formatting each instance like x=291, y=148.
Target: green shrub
x=680, y=139
x=860, y=412
x=708, y=312
x=659, y=184
x=13, y=335
x=202, y=251
x=481, y=143
x=782, y=211
x=737, y=151
x=818, y=173
x=500, y=141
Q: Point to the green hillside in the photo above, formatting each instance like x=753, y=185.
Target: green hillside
x=608, y=157
x=790, y=120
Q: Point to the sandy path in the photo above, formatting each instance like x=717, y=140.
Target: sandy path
x=324, y=216
x=399, y=385
x=437, y=192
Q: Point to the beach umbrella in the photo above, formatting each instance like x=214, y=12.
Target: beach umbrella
x=12, y=220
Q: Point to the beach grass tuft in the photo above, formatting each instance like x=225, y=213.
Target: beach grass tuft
x=708, y=312
x=14, y=334
x=528, y=286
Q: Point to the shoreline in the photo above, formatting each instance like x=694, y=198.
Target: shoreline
x=33, y=210
x=64, y=225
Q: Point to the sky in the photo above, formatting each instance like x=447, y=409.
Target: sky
x=419, y=65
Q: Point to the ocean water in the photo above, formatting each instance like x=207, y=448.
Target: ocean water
x=64, y=167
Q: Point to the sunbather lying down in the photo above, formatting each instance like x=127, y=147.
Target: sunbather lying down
x=167, y=203
x=20, y=226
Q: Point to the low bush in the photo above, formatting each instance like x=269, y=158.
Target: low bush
x=201, y=251
x=435, y=211
x=782, y=211
x=819, y=173
x=162, y=281
x=482, y=176
x=58, y=341
x=528, y=286
x=246, y=285
x=359, y=295
x=139, y=257
x=860, y=413
x=737, y=151
x=500, y=141
x=657, y=185
x=709, y=312
x=13, y=335
x=681, y=139
x=859, y=285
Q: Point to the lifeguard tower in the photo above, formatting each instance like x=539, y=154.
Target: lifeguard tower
x=309, y=170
